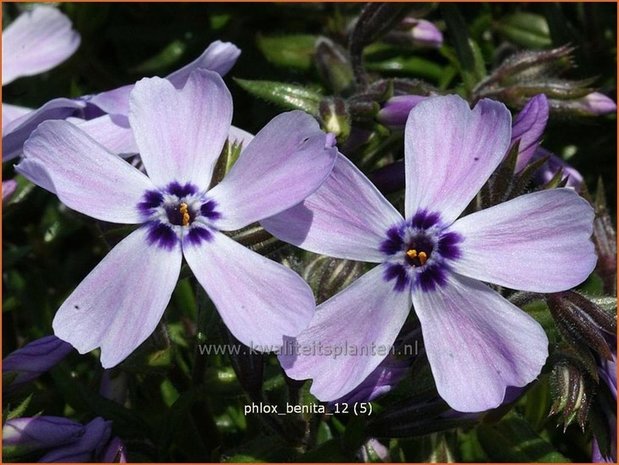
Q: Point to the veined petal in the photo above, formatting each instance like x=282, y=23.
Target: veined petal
x=36, y=41
x=118, y=305
x=450, y=152
x=528, y=128
x=11, y=112
x=111, y=132
x=218, y=57
x=113, y=102
x=539, y=242
x=477, y=343
x=283, y=164
x=347, y=217
x=259, y=300
x=86, y=177
x=17, y=131
x=349, y=336
x=180, y=133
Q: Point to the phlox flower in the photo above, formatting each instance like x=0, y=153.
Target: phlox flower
x=180, y=134
x=476, y=341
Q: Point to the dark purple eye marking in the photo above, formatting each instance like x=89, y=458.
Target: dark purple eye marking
x=209, y=210
x=418, y=252
x=181, y=190
x=151, y=199
x=198, y=234
x=161, y=235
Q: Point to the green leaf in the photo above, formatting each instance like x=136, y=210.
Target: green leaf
x=285, y=95
x=526, y=29
x=20, y=409
x=291, y=51
x=513, y=440
x=412, y=66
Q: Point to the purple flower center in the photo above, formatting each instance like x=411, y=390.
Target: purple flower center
x=179, y=212
x=418, y=252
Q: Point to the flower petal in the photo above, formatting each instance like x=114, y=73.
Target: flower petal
x=86, y=177
x=450, y=152
x=347, y=217
x=180, y=133
x=350, y=335
x=111, y=132
x=538, y=242
x=118, y=305
x=259, y=300
x=528, y=128
x=17, y=132
x=283, y=164
x=219, y=57
x=477, y=343
x=36, y=41
x=11, y=112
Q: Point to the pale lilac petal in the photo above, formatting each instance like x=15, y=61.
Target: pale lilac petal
x=539, y=242
x=260, y=301
x=219, y=57
x=111, y=132
x=239, y=136
x=528, y=128
x=348, y=337
x=180, y=133
x=553, y=165
x=118, y=305
x=86, y=177
x=477, y=343
x=284, y=163
x=17, y=132
x=113, y=102
x=35, y=42
x=347, y=217
x=450, y=152
x=11, y=112
x=396, y=110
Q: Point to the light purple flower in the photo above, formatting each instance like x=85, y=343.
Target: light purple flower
x=34, y=359
x=552, y=166
x=105, y=116
x=425, y=33
x=598, y=104
x=477, y=342
x=37, y=41
x=528, y=128
x=8, y=189
x=180, y=134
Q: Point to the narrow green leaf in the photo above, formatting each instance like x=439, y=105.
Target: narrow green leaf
x=285, y=95
x=164, y=59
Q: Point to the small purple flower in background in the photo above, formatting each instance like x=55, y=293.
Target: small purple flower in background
x=477, y=342
x=37, y=41
x=62, y=440
x=180, y=134
x=34, y=359
x=416, y=32
x=8, y=189
x=105, y=116
x=396, y=109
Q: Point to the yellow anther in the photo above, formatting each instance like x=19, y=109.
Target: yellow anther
x=422, y=257
x=184, y=209
x=412, y=253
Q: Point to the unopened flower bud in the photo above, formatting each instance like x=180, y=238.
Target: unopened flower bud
x=34, y=359
x=8, y=189
x=395, y=111
x=416, y=32
x=42, y=432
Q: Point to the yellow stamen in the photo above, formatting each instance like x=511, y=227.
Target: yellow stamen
x=423, y=257
x=184, y=209
x=412, y=253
